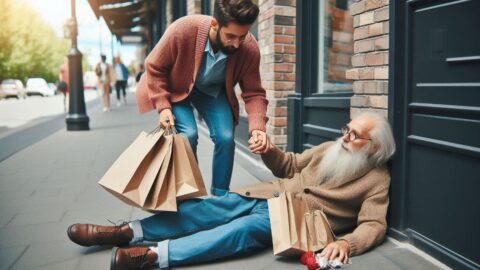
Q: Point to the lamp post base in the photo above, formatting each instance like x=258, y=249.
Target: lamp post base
x=76, y=122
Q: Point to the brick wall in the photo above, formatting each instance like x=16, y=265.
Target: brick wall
x=370, y=59
x=338, y=31
x=276, y=39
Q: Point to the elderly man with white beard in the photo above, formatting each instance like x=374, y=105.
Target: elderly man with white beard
x=346, y=178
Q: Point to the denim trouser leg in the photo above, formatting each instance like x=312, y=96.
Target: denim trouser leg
x=196, y=215
x=219, y=118
x=185, y=122
x=241, y=235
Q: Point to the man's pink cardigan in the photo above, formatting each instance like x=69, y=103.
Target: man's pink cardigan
x=172, y=66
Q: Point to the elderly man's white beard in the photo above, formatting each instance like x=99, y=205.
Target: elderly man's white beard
x=339, y=166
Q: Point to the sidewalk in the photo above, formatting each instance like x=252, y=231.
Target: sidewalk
x=53, y=183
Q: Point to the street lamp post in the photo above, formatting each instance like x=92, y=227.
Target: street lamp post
x=77, y=118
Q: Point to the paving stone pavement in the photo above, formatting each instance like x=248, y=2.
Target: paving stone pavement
x=53, y=183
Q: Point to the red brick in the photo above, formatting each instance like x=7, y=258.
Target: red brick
x=358, y=60
x=363, y=46
x=381, y=43
x=376, y=58
x=352, y=74
x=381, y=14
x=357, y=7
x=284, y=39
x=283, y=85
x=366, y=73
x=289, y=31
x=360, y=33
x=376, y=29
x=381, y=73
x=289, y=48
x=283, y=68
x=374, y=4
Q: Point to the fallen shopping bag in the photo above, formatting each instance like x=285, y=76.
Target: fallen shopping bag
x=296, y=229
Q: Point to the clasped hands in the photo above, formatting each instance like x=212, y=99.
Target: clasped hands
x=259, y=141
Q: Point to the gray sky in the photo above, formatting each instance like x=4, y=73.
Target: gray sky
x=56, y=12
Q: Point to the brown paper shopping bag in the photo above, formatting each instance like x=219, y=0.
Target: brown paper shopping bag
x=287, y=224
x=322, y=231
x=162, y=196
x=185, y=183
x=125, y=176
x=186, y=165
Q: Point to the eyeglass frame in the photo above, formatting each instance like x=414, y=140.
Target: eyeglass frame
x=232, y=41
x=347, y=131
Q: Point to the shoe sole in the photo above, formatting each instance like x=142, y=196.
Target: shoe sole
x=112, y=260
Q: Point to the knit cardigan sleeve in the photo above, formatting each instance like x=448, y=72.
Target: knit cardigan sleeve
x=285, y=165
x=158, y=65
x=253, y=93
x=372, y=224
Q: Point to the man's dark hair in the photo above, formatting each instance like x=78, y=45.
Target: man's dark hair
x=103, y=57
x=243, y=12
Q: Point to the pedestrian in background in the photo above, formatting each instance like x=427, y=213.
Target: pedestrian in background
x=64, y=83
x=141, y=70
x=121, y=74
x=106, y=77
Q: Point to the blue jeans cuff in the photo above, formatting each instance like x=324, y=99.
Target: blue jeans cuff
x=137, y=231
x=218, y=191
x=163, y=254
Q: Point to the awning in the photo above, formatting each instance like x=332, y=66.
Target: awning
x=121, y=16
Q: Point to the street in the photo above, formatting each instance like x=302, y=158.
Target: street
x=18, y=112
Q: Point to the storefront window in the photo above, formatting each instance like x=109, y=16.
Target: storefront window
x=335, y=46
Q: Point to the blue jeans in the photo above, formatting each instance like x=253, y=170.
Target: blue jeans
x=219, y=118
x=209, y=229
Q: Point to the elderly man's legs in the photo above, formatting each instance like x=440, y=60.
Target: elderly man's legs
x=192, y=216
x=242, y=235
x=217, y=236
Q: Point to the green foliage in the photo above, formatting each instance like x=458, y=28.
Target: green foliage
x=131, y=68
x=28, y=46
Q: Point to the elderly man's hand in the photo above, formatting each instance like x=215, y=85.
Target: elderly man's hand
x=259, y=142
x=339, y=249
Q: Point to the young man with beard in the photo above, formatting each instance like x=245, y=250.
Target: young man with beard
x=346, y=178
x=196, y=64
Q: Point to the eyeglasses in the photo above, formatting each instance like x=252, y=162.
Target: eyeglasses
x=232, y=38
x=352, y=135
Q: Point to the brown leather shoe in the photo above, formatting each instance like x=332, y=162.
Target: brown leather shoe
x=132, y=258
x=90, y=234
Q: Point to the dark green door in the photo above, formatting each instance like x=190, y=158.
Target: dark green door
x=436, y=110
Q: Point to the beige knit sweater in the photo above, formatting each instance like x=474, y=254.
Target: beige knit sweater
x=356, y=210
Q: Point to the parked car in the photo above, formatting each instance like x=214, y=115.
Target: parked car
x=53, y=87
x=12, y=88
x=38, y=86
x=90, y=80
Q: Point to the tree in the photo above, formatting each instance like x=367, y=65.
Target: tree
x=25, y=53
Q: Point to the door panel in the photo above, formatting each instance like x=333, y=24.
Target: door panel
x=438, y=103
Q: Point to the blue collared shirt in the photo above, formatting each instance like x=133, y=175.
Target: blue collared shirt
x=211, y=77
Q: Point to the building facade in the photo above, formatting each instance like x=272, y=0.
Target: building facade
x=417, y=62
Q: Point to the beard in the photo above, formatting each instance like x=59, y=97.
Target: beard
x=225, y=49
x=340, y=165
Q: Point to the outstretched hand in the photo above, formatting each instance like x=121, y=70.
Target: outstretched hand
x=259, y=142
